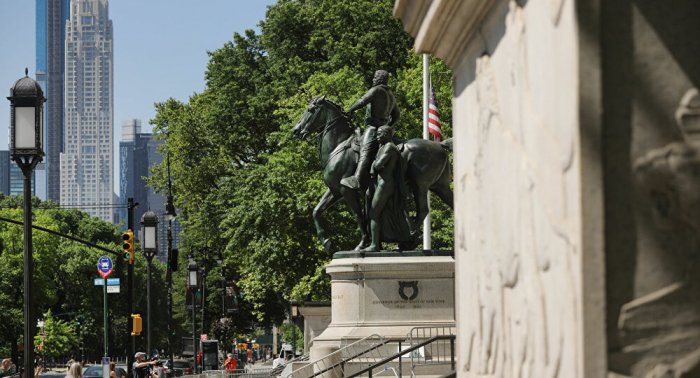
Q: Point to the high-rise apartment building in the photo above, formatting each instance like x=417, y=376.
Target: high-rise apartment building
x=88, y=158
x=138, y=153
x=131, y=128
x=51, y=19
x=5, y=172
x=17, y=180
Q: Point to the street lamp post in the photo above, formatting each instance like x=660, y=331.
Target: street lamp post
x=26, y=135
x=220, y=261
x=169, y=216
x=205, y=263
x=295, y=313
x=192, y=271
x=205, y=254
x=149, y=248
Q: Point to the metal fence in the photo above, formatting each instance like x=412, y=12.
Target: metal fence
x=440, y=352
x=349, y=359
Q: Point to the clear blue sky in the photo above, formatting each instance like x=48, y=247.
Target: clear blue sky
x=160, y=50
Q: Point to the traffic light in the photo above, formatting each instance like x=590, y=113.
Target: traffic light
x=129, y=246
x=137, y=324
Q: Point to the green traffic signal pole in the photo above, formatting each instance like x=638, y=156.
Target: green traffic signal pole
x=104, y=284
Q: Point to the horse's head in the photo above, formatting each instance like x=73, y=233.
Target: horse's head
x=312, y=120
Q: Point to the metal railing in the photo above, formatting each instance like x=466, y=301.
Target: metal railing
x=438, y=353
x=347, y=360
x=237, y=374
x=274, y=372
x=382, y=363
x=451, y=374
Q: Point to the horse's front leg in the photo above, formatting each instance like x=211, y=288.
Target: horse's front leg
x=352, y=197
x=327, y=201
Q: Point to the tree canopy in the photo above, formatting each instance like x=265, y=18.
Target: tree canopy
x=64, y=290
x=243, y=185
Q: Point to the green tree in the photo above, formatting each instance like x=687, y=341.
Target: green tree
x=288, y=336
x=244, y=186
x=59, y=337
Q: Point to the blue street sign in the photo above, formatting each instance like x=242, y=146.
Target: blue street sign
x=104, y=264
x=99, y=282
x=112, y=281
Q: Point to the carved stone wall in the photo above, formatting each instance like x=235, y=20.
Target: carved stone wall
x=577, y=183
x=652, y=183
x=519, y=215
x=528, y=199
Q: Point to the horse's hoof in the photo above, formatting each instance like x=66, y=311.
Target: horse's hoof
x=371, y=248
x=408, y=245
x=363, y=244
x=327, y=245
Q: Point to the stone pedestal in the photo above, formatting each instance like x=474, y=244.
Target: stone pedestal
x=317, y=317
x=387, y=294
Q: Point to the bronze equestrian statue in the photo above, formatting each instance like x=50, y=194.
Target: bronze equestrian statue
x=424, y=167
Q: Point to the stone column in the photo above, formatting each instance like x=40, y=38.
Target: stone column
x=317, y=317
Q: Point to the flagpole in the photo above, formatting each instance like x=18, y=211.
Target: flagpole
x=426, y=135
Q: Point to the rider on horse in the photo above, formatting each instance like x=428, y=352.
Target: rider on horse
x=381, y=110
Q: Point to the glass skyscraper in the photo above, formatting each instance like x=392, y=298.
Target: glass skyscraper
x=138, y=154
x=51, y=19
x=5, y=172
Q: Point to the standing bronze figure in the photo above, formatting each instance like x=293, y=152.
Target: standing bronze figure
x=387, y=213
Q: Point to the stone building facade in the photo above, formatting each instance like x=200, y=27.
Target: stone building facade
x=576, y=168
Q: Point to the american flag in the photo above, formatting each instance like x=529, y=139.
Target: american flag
x=434, y=126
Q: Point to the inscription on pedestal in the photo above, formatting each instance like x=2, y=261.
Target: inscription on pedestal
x=408, y=304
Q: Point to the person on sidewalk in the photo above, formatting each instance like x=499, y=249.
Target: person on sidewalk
x=230, y=364
x=141, y=367
x=5, y=367
x=75, y=371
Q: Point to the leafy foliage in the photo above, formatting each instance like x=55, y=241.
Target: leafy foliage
x=59, y=337
x=244, y=186
x=64, y=272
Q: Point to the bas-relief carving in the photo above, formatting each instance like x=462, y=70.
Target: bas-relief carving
x=555, y=7
x=525, y=271
x=660, y=332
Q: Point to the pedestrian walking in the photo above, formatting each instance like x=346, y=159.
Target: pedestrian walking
x=230, y=364
x=5, y=367
x=75, y=370
x=141, y=367
x=113, y=371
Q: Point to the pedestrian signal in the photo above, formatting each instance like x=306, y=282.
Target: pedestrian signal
x=129, y=246
x=137, y=324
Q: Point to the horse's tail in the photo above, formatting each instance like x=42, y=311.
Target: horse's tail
x=447, y=144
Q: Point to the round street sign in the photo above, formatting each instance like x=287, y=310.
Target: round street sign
x=104, y=266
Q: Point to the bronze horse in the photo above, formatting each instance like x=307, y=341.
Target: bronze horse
x=426, y=166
